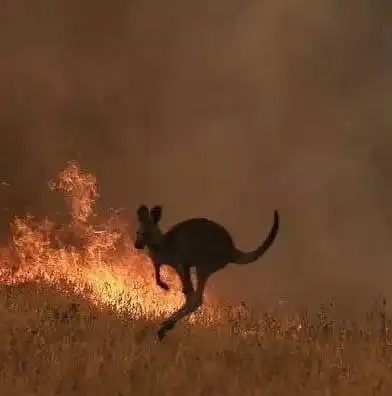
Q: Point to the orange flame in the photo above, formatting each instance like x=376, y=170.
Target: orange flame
x=80, y=190
x=99, y=271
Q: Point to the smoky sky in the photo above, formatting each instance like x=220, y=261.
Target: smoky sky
x=221, y=109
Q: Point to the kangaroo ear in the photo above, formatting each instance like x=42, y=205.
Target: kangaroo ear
x=156, y=213
x=142, y=213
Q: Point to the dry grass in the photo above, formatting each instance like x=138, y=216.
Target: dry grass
x=53, y=343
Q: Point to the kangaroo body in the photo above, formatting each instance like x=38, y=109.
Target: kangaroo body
x=199, y=243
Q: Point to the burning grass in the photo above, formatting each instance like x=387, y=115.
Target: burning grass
x=86, y=256
x=79, y=308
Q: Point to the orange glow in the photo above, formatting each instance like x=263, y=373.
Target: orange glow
x=100, y=271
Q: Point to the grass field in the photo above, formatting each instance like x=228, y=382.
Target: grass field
x=53, y=343
x=83, y=322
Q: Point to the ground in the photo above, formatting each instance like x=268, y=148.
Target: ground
x=54, y=343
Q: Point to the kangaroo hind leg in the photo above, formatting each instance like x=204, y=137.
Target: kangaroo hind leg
x=184, y=272
x=193, y=301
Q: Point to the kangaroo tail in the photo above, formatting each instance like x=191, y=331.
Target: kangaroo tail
x=249, y=257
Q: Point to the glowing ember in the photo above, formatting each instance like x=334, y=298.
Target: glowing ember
x=95, y=270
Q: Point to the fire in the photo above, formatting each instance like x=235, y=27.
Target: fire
x=102, y=265
x=80, y=189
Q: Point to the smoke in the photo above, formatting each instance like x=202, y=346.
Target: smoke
x=220, y=109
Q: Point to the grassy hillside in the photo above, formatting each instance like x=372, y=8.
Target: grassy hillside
x=54, y=343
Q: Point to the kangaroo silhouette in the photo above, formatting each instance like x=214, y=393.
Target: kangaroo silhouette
x=199, y=243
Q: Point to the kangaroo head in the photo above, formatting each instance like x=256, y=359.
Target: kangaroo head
x=148, y=234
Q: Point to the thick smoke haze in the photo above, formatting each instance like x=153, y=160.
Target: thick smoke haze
x=221, y=109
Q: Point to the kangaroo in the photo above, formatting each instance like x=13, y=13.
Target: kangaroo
x=199, y=243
